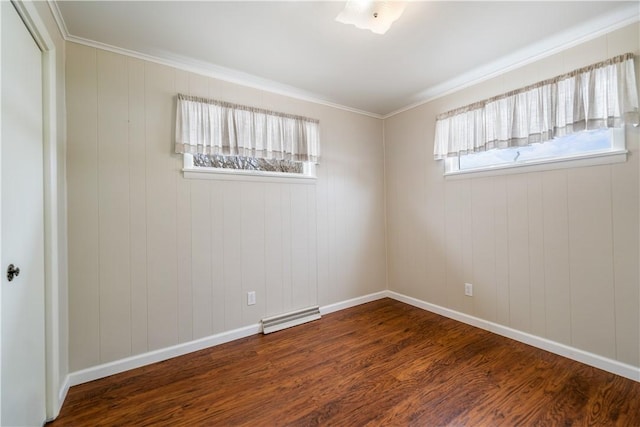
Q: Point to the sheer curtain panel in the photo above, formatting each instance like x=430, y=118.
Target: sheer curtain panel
x=600, y=95
x=208, y=126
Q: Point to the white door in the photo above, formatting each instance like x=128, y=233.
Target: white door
x=22, y=351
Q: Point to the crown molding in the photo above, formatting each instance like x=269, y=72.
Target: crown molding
x=532, y=53
x=222, y=73
x=57, y=16
x=207, y=69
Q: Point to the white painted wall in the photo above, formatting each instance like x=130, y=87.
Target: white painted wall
x=157, y=260
x=554, y=254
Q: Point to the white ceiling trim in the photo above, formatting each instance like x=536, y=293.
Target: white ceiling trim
x=225, y=74
x=528, y=55
x=207, y=69
x=57, y=16
x=517, y=59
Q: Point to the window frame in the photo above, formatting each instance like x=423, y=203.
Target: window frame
x=191, y=171
x=616, y=154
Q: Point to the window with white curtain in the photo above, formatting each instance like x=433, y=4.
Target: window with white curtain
x=220, y=137
x=564, y=121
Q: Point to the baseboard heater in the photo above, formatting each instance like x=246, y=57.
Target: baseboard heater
x=295, y=318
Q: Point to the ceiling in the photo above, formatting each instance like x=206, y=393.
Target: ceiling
x=297, y=48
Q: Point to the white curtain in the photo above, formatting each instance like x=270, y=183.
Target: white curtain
x=597, y=96
x=213, y=127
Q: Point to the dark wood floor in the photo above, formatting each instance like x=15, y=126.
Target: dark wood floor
x=382, y=363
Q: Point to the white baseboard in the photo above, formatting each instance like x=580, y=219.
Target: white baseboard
x=62, y=394
x=591, y=359
x=352, y=302
x=122, y=365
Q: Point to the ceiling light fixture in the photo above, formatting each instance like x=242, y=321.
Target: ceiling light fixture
x=376, y=16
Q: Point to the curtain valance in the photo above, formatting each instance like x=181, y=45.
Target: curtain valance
x=214, y=127
x=596, y=96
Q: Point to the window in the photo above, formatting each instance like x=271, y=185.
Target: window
x=544, y=123
x=216, y=166
x=247, y=163
x=217, y=137
x=583, y=148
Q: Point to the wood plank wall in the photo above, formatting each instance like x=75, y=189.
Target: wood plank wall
x=553, y=253
x=156, y=259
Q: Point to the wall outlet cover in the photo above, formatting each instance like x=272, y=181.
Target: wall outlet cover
x=468, y=289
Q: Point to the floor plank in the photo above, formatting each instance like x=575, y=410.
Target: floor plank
x=381, y=363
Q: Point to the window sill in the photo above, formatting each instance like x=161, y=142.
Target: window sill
x=247, y=176
x=609, y=157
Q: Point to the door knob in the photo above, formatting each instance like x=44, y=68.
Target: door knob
x=12, y=272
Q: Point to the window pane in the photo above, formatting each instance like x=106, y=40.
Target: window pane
x=571, y=145
x=247, y=163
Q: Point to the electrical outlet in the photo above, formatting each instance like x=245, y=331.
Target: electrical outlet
x=468, y=289
x=251, y=298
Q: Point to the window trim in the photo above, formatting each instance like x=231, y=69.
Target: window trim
x=593, y=159
x=617, y=154
x=198, y=172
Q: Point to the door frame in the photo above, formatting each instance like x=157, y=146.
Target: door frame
x=55, y=390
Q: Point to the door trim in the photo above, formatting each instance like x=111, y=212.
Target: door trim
x=54, y=271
